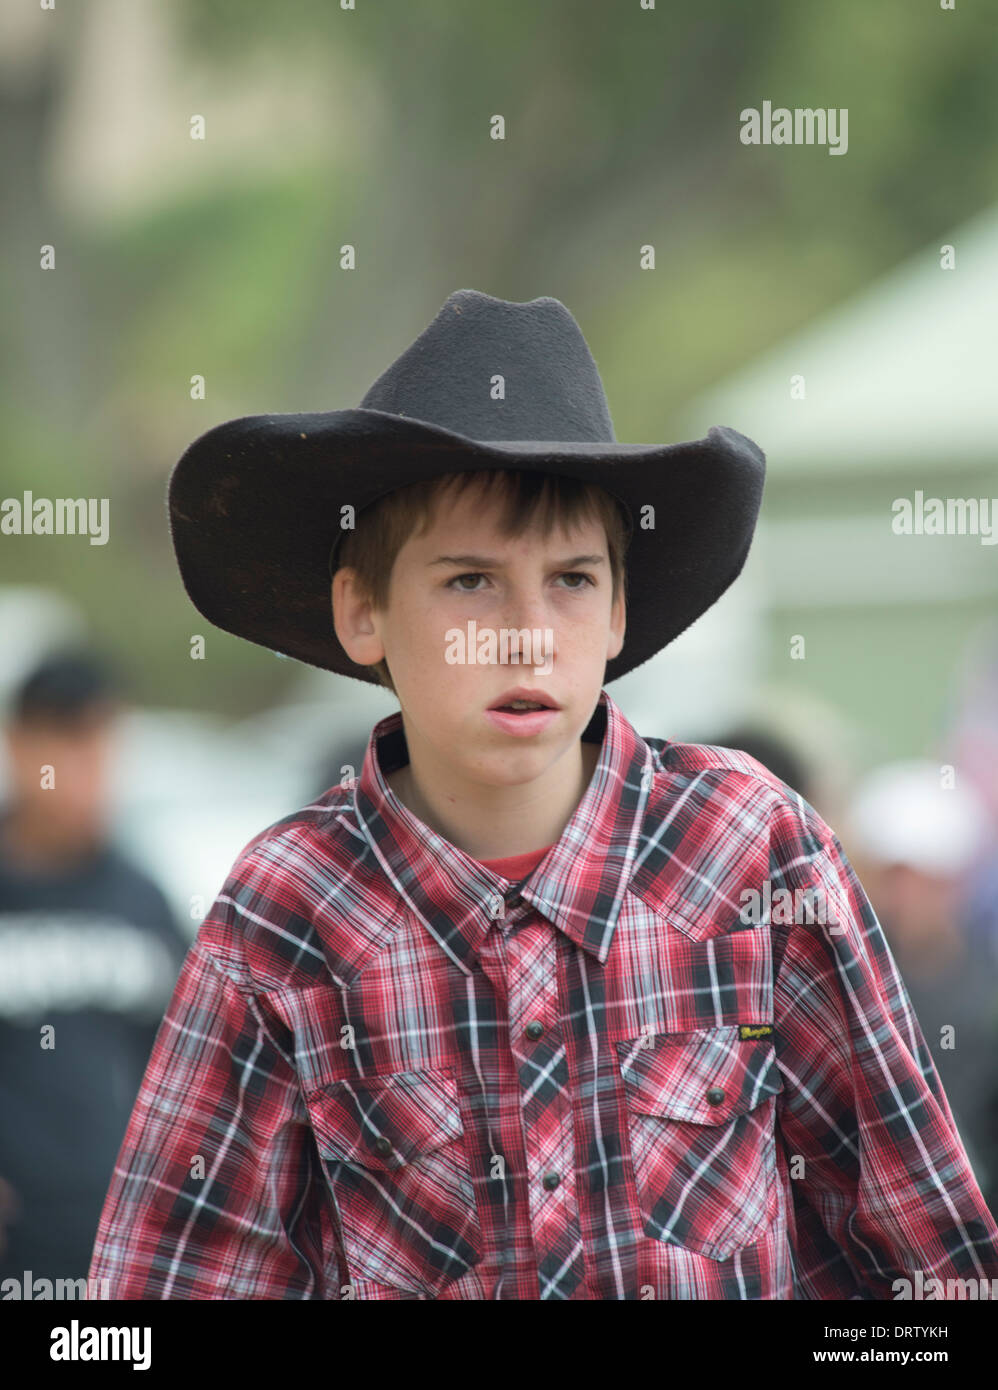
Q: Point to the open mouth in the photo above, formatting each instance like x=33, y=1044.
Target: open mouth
x=523, y=700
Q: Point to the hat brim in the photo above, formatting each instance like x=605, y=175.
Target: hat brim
x=255, y=504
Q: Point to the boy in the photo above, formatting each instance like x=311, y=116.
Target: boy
x=492, y=1022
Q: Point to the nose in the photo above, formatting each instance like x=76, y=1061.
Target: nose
x=528, y=608
x=526, y=605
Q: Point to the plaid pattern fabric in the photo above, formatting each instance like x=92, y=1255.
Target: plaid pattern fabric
x=386, y=1073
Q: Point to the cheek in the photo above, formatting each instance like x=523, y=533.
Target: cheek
x=417, y=634
x=585, y=631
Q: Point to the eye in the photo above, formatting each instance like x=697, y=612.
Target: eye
x=477, y=574
x=453, y=583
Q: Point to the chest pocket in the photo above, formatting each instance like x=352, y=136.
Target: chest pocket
x=700, y=1123
x=394, y=1155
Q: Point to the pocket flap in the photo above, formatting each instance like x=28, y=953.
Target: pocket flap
x=384, y=1122
x=704, y=1078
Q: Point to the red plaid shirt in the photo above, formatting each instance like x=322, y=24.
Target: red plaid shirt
x=388, y=1073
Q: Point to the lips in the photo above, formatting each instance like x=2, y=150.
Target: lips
x=535, y=697
x=523, y=723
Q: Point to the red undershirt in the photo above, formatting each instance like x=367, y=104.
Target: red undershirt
x=516, y=866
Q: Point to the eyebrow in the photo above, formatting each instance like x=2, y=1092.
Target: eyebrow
x=485, y=562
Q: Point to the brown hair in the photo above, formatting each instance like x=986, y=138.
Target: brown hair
x=526, y=499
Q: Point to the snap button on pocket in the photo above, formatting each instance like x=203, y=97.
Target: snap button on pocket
x=702, y=1153
x=398, y=1175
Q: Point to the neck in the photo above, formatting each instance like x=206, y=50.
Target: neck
x=496, y=822
x=33, y=841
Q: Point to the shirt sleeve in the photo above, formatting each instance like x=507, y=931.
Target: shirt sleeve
x=216, y=1188
x=883, y=1188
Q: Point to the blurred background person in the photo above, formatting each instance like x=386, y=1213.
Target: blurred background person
x=916, y=844
x=89, y=955
x=969, y=741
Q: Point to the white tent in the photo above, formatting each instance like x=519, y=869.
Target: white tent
x=899, y=398
x=904, y=374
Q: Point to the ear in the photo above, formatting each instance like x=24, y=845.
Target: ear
x=618, y=626
x=354, y=620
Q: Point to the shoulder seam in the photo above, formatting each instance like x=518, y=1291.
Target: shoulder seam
x=811, y=827
x=324, y=817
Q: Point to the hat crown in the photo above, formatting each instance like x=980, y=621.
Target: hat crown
x=550, y=388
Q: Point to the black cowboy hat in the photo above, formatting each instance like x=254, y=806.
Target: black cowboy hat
x=255, y=503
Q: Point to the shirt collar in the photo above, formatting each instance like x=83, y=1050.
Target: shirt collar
x=578, y=886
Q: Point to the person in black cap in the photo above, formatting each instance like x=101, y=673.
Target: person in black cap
x=89, y=952
x=520, y=1012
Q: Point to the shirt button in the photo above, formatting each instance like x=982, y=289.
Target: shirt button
x=383, y=1144
x=715, y=1095
x=550, y=1181
x=534, y=1030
